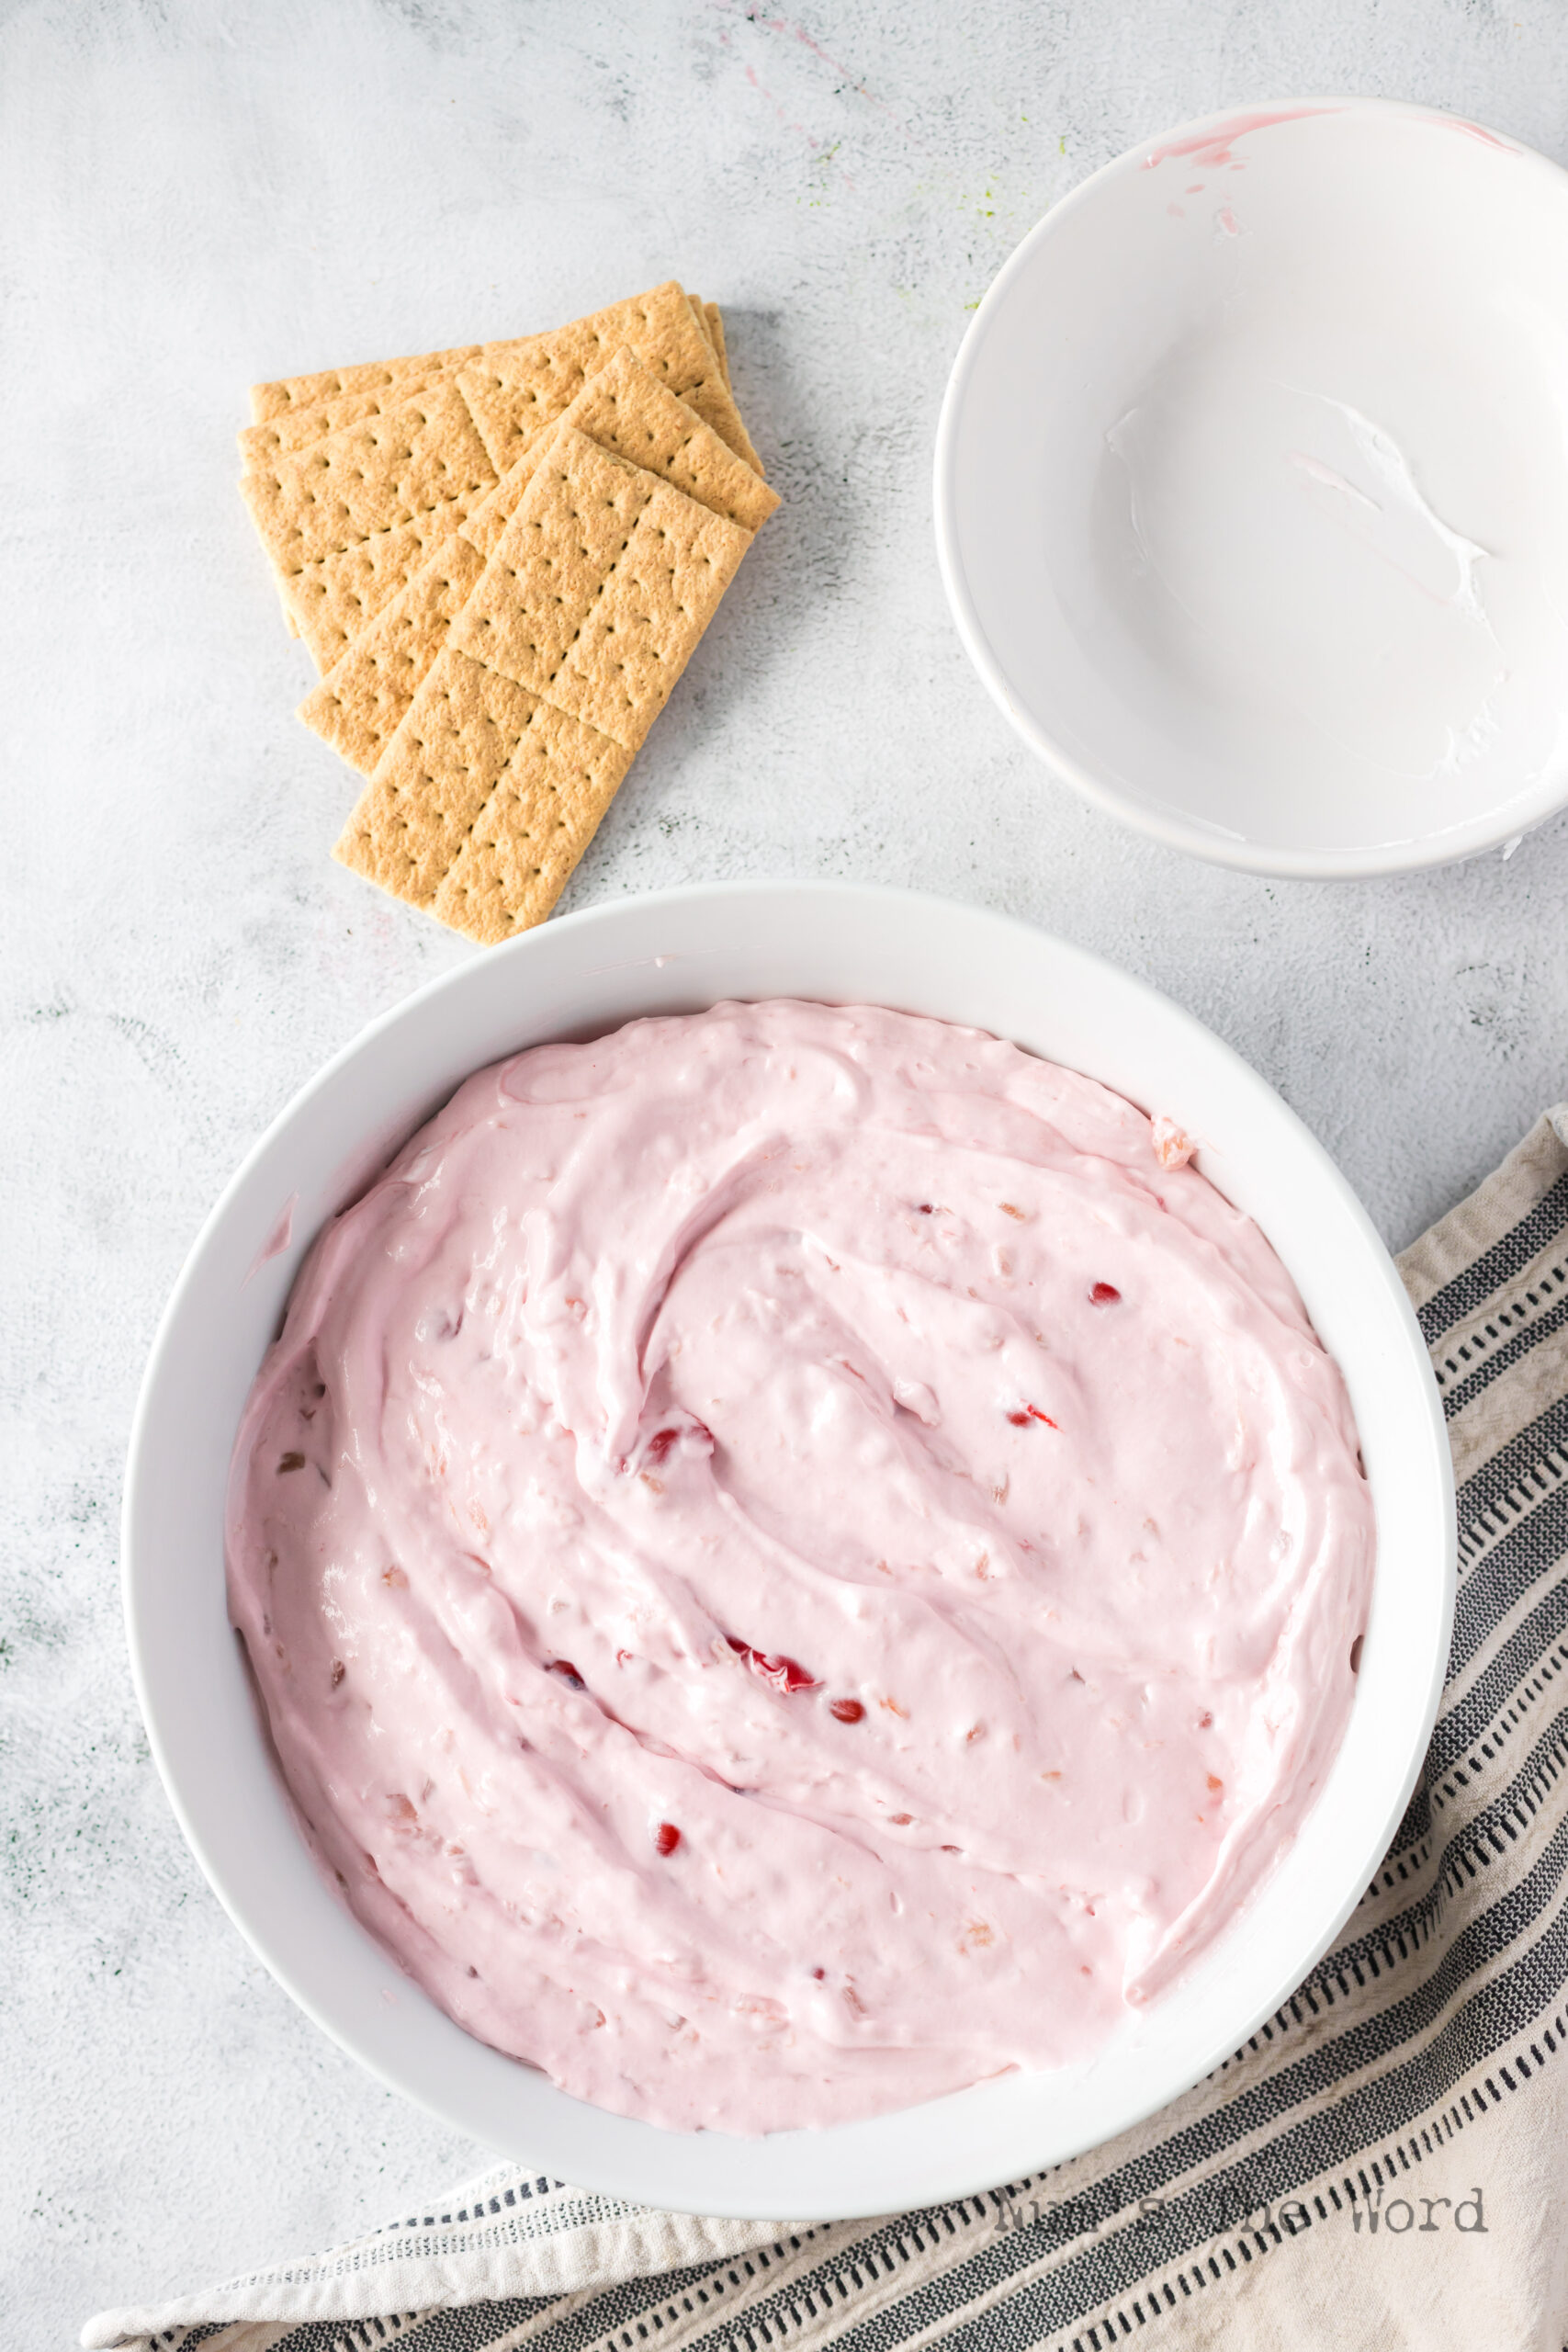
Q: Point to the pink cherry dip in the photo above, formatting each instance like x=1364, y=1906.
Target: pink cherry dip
x=792, y=1563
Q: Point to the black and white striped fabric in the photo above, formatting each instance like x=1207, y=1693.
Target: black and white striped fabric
x=1385, y=2163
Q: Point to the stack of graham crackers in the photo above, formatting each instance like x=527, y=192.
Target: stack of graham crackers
x=501, y=558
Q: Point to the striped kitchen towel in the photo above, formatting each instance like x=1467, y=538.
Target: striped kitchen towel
x=1385, y=2163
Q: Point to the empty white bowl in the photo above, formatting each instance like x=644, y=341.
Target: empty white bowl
x=1252, y=488
x=580, y=976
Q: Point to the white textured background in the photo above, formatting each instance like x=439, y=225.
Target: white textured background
x=196, y=193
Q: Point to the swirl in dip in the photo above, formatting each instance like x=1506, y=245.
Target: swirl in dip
x=794, y=1562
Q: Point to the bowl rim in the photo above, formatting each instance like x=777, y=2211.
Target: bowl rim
x=1472, y=839
x=940, y=2178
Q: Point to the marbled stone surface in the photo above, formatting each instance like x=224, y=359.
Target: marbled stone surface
x=197, y=193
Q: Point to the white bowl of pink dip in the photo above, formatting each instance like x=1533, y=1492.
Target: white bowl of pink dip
x=498, y=1628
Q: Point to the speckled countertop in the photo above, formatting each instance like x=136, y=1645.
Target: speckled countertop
x=196, y=193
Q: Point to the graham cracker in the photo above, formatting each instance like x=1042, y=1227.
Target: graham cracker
x=369, y=478
x=364, y=697
x=348, y=521
x=715, y=336
x=298, y=428
x=297, y=410
x=601, y=584
x=288, y=395
x=519, y=386
x=469, y=727
x=627, y=410
x=527, y=842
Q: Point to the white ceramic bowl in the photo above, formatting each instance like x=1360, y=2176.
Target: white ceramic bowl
x=679, y=953
x=1252, y=488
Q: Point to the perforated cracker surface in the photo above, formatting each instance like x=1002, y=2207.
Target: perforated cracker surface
x=369, y=478
x=603, y=583
x=290, y=395
x=491, y=787
x=627, y=410
x=500, y=636
x=296, y=429
x=301, y=409
x=467, y=732
x=527, y=842
x=349, y=521
x=336, y=600
x=362, y=699
x=361, y=702
x=518, y=387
